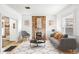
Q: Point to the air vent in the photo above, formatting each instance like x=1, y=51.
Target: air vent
x=27, y=7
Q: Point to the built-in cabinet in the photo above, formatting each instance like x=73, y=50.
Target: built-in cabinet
x=68, y=24
x=5, y=27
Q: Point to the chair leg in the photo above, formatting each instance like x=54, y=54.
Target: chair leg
x=30, y=44
x=37, y=44
x=44, y=44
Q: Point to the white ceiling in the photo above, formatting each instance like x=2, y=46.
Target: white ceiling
x=38, y=9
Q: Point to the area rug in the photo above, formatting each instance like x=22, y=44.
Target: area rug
x=10, y=48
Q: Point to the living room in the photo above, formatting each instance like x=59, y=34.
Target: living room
x=60, y=19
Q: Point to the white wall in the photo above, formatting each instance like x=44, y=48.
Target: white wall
x=28, y=17
x=71, y=9
x=49, y=28
x=0, y=33
x=5, y=10
x=27, y=28
x=77, y=22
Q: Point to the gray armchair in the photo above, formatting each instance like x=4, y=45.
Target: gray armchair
x=23, y=36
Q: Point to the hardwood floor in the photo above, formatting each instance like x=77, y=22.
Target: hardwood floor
x=68, y=51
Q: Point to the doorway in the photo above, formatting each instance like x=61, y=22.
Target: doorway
x=8, y=31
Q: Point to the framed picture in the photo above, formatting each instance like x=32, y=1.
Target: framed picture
x=26, y=22
x=51, y=22
x=13, y=25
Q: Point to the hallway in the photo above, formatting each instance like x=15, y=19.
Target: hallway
x=25, y=48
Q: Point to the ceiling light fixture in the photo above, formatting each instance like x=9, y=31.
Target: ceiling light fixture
x=27, y=7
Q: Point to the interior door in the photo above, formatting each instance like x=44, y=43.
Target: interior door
x=36, y=24
x=13, y=32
